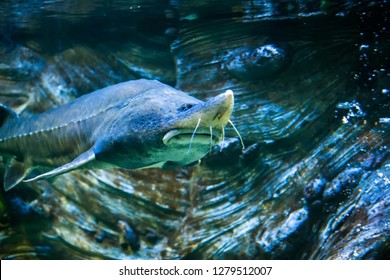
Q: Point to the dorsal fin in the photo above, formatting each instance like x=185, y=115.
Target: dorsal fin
x=6, y=113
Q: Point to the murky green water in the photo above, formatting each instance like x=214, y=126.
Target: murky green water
x=312, y=94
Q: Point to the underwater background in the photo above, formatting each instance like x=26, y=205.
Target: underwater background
x=312, y=91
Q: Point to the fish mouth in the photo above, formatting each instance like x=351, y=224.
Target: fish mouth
x=200, y=136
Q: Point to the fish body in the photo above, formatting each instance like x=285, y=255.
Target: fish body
x=133, y=125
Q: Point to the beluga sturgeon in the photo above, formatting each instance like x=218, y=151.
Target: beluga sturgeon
x=132, y=125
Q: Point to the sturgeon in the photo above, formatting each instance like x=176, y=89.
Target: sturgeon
x=133, y=125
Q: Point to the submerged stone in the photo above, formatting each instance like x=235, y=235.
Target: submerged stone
x=312, y=182
x=341, y=186
x=283, y=239
x=248, y=63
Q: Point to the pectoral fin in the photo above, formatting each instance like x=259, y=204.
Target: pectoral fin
x=81, y=160
x=15, y=172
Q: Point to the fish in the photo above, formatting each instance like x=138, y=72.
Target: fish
x=132, y=125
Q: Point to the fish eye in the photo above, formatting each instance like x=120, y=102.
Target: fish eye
x=185, y=107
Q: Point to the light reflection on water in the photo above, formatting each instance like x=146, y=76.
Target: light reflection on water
x=313, y=118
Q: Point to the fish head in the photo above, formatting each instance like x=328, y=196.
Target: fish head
x=193, y=131
x=166, y=128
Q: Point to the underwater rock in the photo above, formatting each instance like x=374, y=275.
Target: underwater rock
x=285, y=239
x=128, y=236
x=248, y=63
x=19, y=68
x=314, y=189
x=313, y=180
x=360, y=227
x=19, y=63
x=343, y=184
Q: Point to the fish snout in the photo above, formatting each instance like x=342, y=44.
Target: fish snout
x=213, y=113
x=221, y=109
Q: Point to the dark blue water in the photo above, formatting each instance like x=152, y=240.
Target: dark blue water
x=312, y=93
